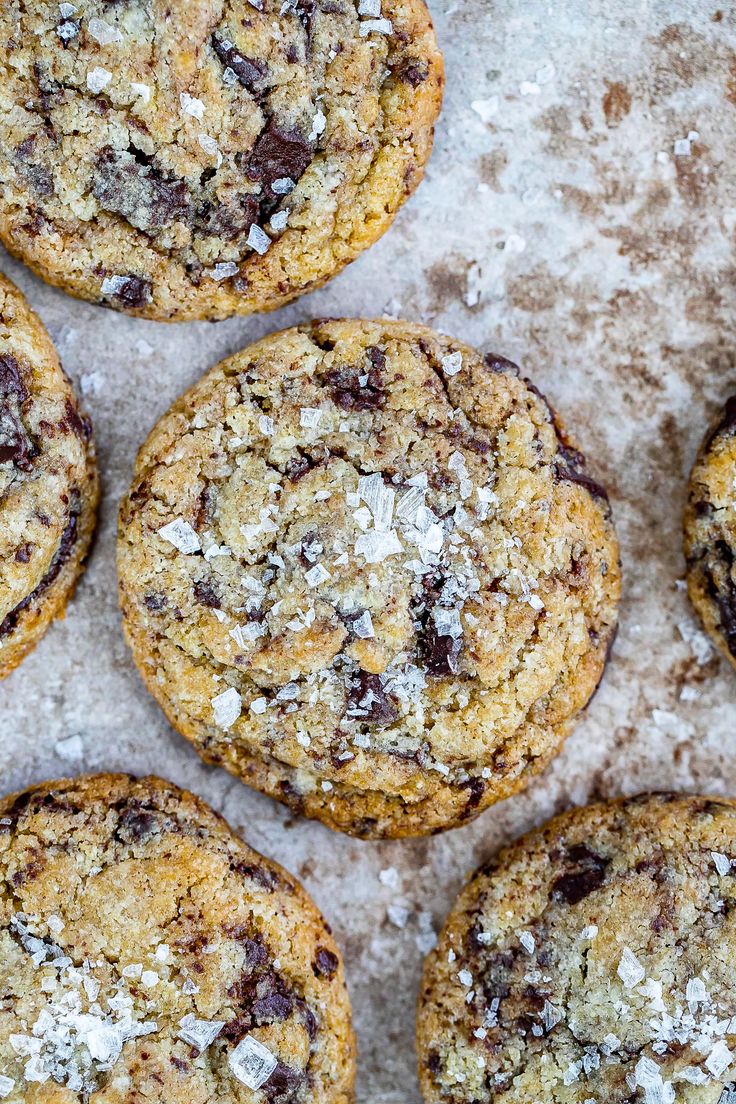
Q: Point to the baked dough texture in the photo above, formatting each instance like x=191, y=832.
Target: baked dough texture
x=362, y=567
x=48, y=481
x=710, y=531
x=148, y=954
x=592, y=961
x=183, y=159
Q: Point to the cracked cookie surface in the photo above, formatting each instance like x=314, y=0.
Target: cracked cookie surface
x=710, y=531
x=362, y=568
x=48, y=481
x=147, y=953
x=202, y=158
x=591, y=962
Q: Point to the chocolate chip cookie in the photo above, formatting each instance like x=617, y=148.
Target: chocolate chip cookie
x=710, y=531
x=204, y=158
x=591, y=962
x=147, y=953
x=362, y=568
x=48, y=481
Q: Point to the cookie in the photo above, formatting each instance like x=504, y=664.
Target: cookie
x=203, y=159
x=147, y=953
x=362, y=568
x=48, y=481
x=710, y=531
x=592, y=961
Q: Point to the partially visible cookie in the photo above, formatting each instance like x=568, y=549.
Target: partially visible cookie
x=148, y=954
x=203, y=158
x=710, y=531
x=48, y=481
x=362, y=568
x=591, y=963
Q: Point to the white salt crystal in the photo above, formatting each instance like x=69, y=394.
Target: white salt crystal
x=98, y=78
x=258, y=239
x=190, y=105
x=227, y=707
x=200, y=1033
x=630, y=970
x=181, y=535
x=252, y=1063
x=103, y=32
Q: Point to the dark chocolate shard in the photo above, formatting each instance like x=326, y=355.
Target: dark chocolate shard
x=439, y=654
x=249, y=71
x=62, y=554
x=278, y=155
x=368, y=701
x=16, y=446
x=325, y=963
x=127, y=186
x=587, y=873
x=571, y=469
x=353, y=389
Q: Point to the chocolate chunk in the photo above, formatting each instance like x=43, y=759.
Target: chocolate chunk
x=353, y=389
x=325, y=963
x=205, y=593
x=577, y=884
x=439, y=654
x=16, y=446
x=136, y=825
x=37, y=175
x=722, y=590
x=570, y=468
x=154, y=602
x=133, y=291
x=249, y=71
x=128, y=186
x=266, y=879
x=284, y=1085
x=277, y=155
x=412, y=71
x=230, y=219
x=368, y=701
x=273, y=1008
x=500, y=364
x=62, y=554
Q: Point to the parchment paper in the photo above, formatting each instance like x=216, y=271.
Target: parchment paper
x=578, y=216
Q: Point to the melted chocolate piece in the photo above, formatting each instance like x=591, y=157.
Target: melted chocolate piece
x=726, y=424
x=205, y=593
x=62, y=554
x=133, y=291
x=500, y=364
x=570, y=468
x=589, y=875
x=278, y=154
x=154, y=602
x=228, y=220
x=412, y=71
x=366, y=694
x=355, y=390
x=722, y=591
x=284, y=1085
x=16, y=446
x=138, y=192
x=136, y=825
x=38, y=176
x=249, y=71
x=439, y=654
x=325, y=963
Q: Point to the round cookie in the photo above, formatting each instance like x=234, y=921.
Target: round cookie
x=203, y=158
x=48, y=481
x=710, y=531
x=591, y=961
x=147, y=953
x=361, y=567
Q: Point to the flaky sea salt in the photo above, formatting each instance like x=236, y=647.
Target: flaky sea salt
x=310, y=417
x=719, y=1059
x=210, y=147
x=369, y=7
x=630, y=970
x=7, y=1084
x=527, y=941
x=376, y=26
x=103, y=33
x=200, y=1033
x=98, y=78
x=721, y=862
x=227, y=707
x=181, y=534
x=190, y=105
x=316, y=575
x=283, y=186
x=375, y=546
x=223, y=270
x=143, y=91
x=363, y=626
x=258, y=239
x=252, y=1063
x=452, y=363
